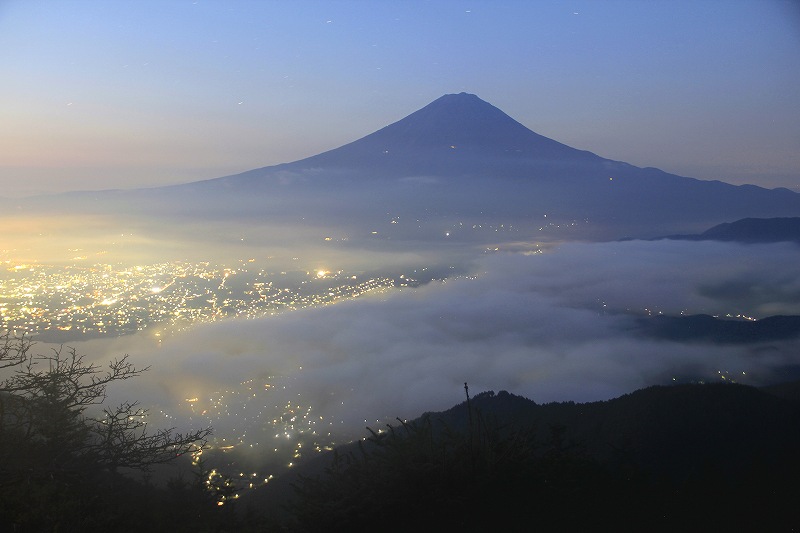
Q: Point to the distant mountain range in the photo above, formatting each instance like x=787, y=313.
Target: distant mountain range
x=706, y=328
x=461, y=159
x=750, y=230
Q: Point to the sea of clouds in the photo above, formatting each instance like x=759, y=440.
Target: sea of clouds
x=556, y=326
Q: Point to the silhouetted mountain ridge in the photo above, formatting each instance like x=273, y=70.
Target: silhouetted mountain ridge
x=671, y=429
x=750, y=230
x=706, y=328
x=673, y=456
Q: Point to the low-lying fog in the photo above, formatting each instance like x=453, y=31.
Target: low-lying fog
x=554, y=326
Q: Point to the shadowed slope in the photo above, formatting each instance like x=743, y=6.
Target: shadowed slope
x=750, y=230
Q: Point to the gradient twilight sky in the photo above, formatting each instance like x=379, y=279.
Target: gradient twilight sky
x=118, y=94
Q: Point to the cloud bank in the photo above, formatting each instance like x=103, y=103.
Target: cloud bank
x=552, y=327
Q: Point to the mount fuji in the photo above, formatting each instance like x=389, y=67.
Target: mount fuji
x=461, y=159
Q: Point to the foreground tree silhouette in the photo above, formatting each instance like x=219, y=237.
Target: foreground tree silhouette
x=59, y=459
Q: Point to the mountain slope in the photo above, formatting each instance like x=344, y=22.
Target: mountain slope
x=460, y=160
x=455, y=135
x=750, y=230
x=675, y=458
x=502, y=168
x=458, y=128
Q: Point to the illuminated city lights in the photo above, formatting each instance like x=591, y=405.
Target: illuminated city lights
x=75, y=302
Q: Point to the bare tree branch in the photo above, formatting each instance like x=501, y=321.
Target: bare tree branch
x=43, y=400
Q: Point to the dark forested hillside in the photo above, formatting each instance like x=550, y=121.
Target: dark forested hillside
x=683, y=457
x=658, y=459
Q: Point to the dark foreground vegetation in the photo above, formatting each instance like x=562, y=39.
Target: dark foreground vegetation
x=64, y=454
x=685, y=457
x=660, y=459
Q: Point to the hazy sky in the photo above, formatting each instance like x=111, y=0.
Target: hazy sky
x=109, y=94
